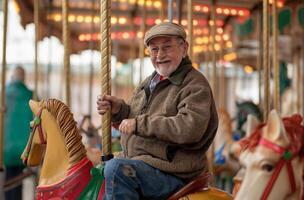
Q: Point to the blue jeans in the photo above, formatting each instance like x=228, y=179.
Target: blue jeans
x=133, y=179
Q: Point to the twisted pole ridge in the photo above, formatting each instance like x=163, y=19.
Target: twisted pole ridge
x=275, y=54
x=190, y=27
x=141, y=45
x=266, y=58
x=36, y=21
x=66, y=43
x=105, y=49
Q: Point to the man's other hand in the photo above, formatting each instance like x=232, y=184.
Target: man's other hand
x=127, y=126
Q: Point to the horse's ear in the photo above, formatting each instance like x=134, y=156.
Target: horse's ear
x=274, y=130
x=34, y=105
x=252, y=123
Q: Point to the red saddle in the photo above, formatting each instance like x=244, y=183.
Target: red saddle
x=198, y=184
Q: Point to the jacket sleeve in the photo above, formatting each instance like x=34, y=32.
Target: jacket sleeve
x=122, y=114
x=190, y=123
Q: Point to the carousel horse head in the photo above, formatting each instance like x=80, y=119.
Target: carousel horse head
x=236, y=151
x=223, y=139
x=273, y=160
x=225, y=164
x=243, y=110
x=56, y=143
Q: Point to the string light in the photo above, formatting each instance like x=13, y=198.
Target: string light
x=229, y=44
x=79, y=19
x=280, y=4
x=205, y=9
x=248, y=69
x=88, y=19
x=157, y=4
x=72, y=18
x=57, y=18
x=230, y=56
x=223, y=10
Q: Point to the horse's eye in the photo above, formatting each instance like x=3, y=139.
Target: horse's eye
x=267, y=167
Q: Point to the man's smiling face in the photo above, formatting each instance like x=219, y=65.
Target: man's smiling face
x=166, y=53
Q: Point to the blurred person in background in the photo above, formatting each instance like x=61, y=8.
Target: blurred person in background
x=17, y=128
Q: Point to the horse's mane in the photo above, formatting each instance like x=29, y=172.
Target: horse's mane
x=294, y=129
x=68, y=127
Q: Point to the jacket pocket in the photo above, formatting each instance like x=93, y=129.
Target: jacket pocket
x=152, y=147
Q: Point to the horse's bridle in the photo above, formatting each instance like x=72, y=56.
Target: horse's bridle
x=286, y=157
x=36, y=125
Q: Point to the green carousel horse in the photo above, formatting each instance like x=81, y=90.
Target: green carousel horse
x=66, y=173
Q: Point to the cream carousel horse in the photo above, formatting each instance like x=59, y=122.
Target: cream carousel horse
x=273, y=160
x=65, y=171
x=236, y=149
x=226, y=166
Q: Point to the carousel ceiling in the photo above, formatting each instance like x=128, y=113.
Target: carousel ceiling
x=126, y=17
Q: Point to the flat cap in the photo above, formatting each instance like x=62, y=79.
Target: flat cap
x=164, y=29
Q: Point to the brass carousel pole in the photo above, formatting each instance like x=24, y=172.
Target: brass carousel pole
x=260, y=57
x=266, y=101
x=3, y=80
x=36, y=20
x=213, y=53
x=141, y=45
x=170, y=10
x=66, y=43
x=179, y=9
x=207, y=58
x=298, y=79
x=133, y=47
x=190, y=27
x=214, y=76
x=302, y=74
x=222, y=94
x=275, y=61
x=162, y=10
x=50, y=49
x=105, y=49
x=91, y=46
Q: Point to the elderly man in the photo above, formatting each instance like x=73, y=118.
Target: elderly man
x=166, y=127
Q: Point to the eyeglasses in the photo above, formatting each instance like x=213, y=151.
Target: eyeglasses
x=166, y=49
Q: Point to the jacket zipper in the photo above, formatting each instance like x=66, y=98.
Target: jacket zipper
x=143, y=110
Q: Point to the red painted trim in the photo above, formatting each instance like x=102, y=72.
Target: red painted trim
x=69, y=188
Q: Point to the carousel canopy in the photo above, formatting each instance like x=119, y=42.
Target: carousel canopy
x=237, y=27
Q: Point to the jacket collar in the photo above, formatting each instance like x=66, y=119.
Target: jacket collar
x=179, y=74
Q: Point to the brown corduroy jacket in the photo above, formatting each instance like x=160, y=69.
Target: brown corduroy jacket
x=175, y=124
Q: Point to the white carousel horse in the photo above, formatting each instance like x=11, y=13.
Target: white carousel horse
x=273, y=160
